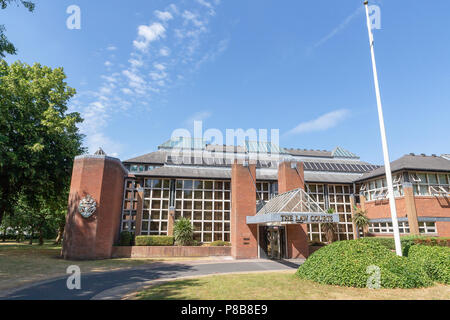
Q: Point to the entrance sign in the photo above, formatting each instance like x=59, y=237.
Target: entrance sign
x=293, y=218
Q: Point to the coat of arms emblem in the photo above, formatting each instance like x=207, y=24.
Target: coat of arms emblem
x=87, y=206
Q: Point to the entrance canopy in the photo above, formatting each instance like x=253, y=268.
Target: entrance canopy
x=292, y=207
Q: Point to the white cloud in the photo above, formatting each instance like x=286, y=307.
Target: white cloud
x=148, y=34
x=163, y=15
x=324, y=122
x=127, y=91
x=198, y=116
x=135, y=63
x=111, y=48
x=108, y=63
x=339, y=28
x=207, y=5
x=164, y=51
x=159, y=66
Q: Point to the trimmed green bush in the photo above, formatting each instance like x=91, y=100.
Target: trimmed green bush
x=408, y=241
x=345, y=263
x=183, y=232
x=126, y=238
x=433, y=260
x=220, y=243
x=154, y=241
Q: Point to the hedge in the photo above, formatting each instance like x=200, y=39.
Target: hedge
x=408, y=241
x=126, y=238
x=154, y=241
x=345, y=263
x=433, y=260
x=220, y=243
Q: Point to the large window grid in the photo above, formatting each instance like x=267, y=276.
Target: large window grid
x=155, y=210
x=317, y=193
x=266, y=190
x=430, y=184
x=129, y=207
x=339, y=200
x=207, y=204
x=377, y=189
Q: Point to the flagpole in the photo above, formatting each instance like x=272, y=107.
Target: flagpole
x=387, y=164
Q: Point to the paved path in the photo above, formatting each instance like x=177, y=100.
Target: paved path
x=116, y=284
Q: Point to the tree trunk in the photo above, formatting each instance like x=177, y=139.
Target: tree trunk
x=60, y=234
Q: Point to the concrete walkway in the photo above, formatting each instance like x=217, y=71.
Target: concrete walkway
x=117, y=284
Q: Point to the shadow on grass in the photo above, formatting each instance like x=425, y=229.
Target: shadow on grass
x=169, y=291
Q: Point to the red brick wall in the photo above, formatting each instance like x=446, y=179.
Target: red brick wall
x=163, y=251
x=93, y=238
x=380, y=209
x=425, y=207
x=243, y=203
x=297, y=234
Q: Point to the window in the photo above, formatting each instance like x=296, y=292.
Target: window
x=317, y=194
x=207, y=203
x=266, y=190
x=386, y=227
x=430, y=184
x=377, y=189
x=339, y=200
x=129, y=207
x=155, y=207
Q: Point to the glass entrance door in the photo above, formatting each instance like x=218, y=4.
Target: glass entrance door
x=272, y=242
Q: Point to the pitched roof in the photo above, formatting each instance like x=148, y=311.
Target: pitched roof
x=412, y=162
x=152, y=157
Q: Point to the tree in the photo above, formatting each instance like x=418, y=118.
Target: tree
x=329, y=228
x=360, y=220
x=5, y=45
x=38, y=137
x=183, y=232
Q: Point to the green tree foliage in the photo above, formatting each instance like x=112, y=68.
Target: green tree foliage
x=38, y=137
x=183, y=232
x=5, y=45
x=330, y=228
x=360, y=219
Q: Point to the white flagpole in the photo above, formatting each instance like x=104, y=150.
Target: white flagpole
x=387, y=165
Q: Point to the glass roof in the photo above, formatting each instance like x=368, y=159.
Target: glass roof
x=295, y=201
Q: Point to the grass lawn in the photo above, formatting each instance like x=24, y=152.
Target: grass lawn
x=21, y=264
x=276, y=286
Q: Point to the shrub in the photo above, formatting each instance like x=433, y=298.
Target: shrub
x=154, y=241
x=410, y=240
x=183, y=232
x=433, y=260
x=125, y=238
x=220, y=243
x=345, y=263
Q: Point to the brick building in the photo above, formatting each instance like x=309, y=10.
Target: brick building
x=266, y=200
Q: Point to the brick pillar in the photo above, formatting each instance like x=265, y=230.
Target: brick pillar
x=290, y=177
x=244, y=243
x=411, y=208
x=102, y=178
x=170, y=221
x=140, y=207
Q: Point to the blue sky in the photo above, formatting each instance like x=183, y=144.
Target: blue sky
x=145, y=68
